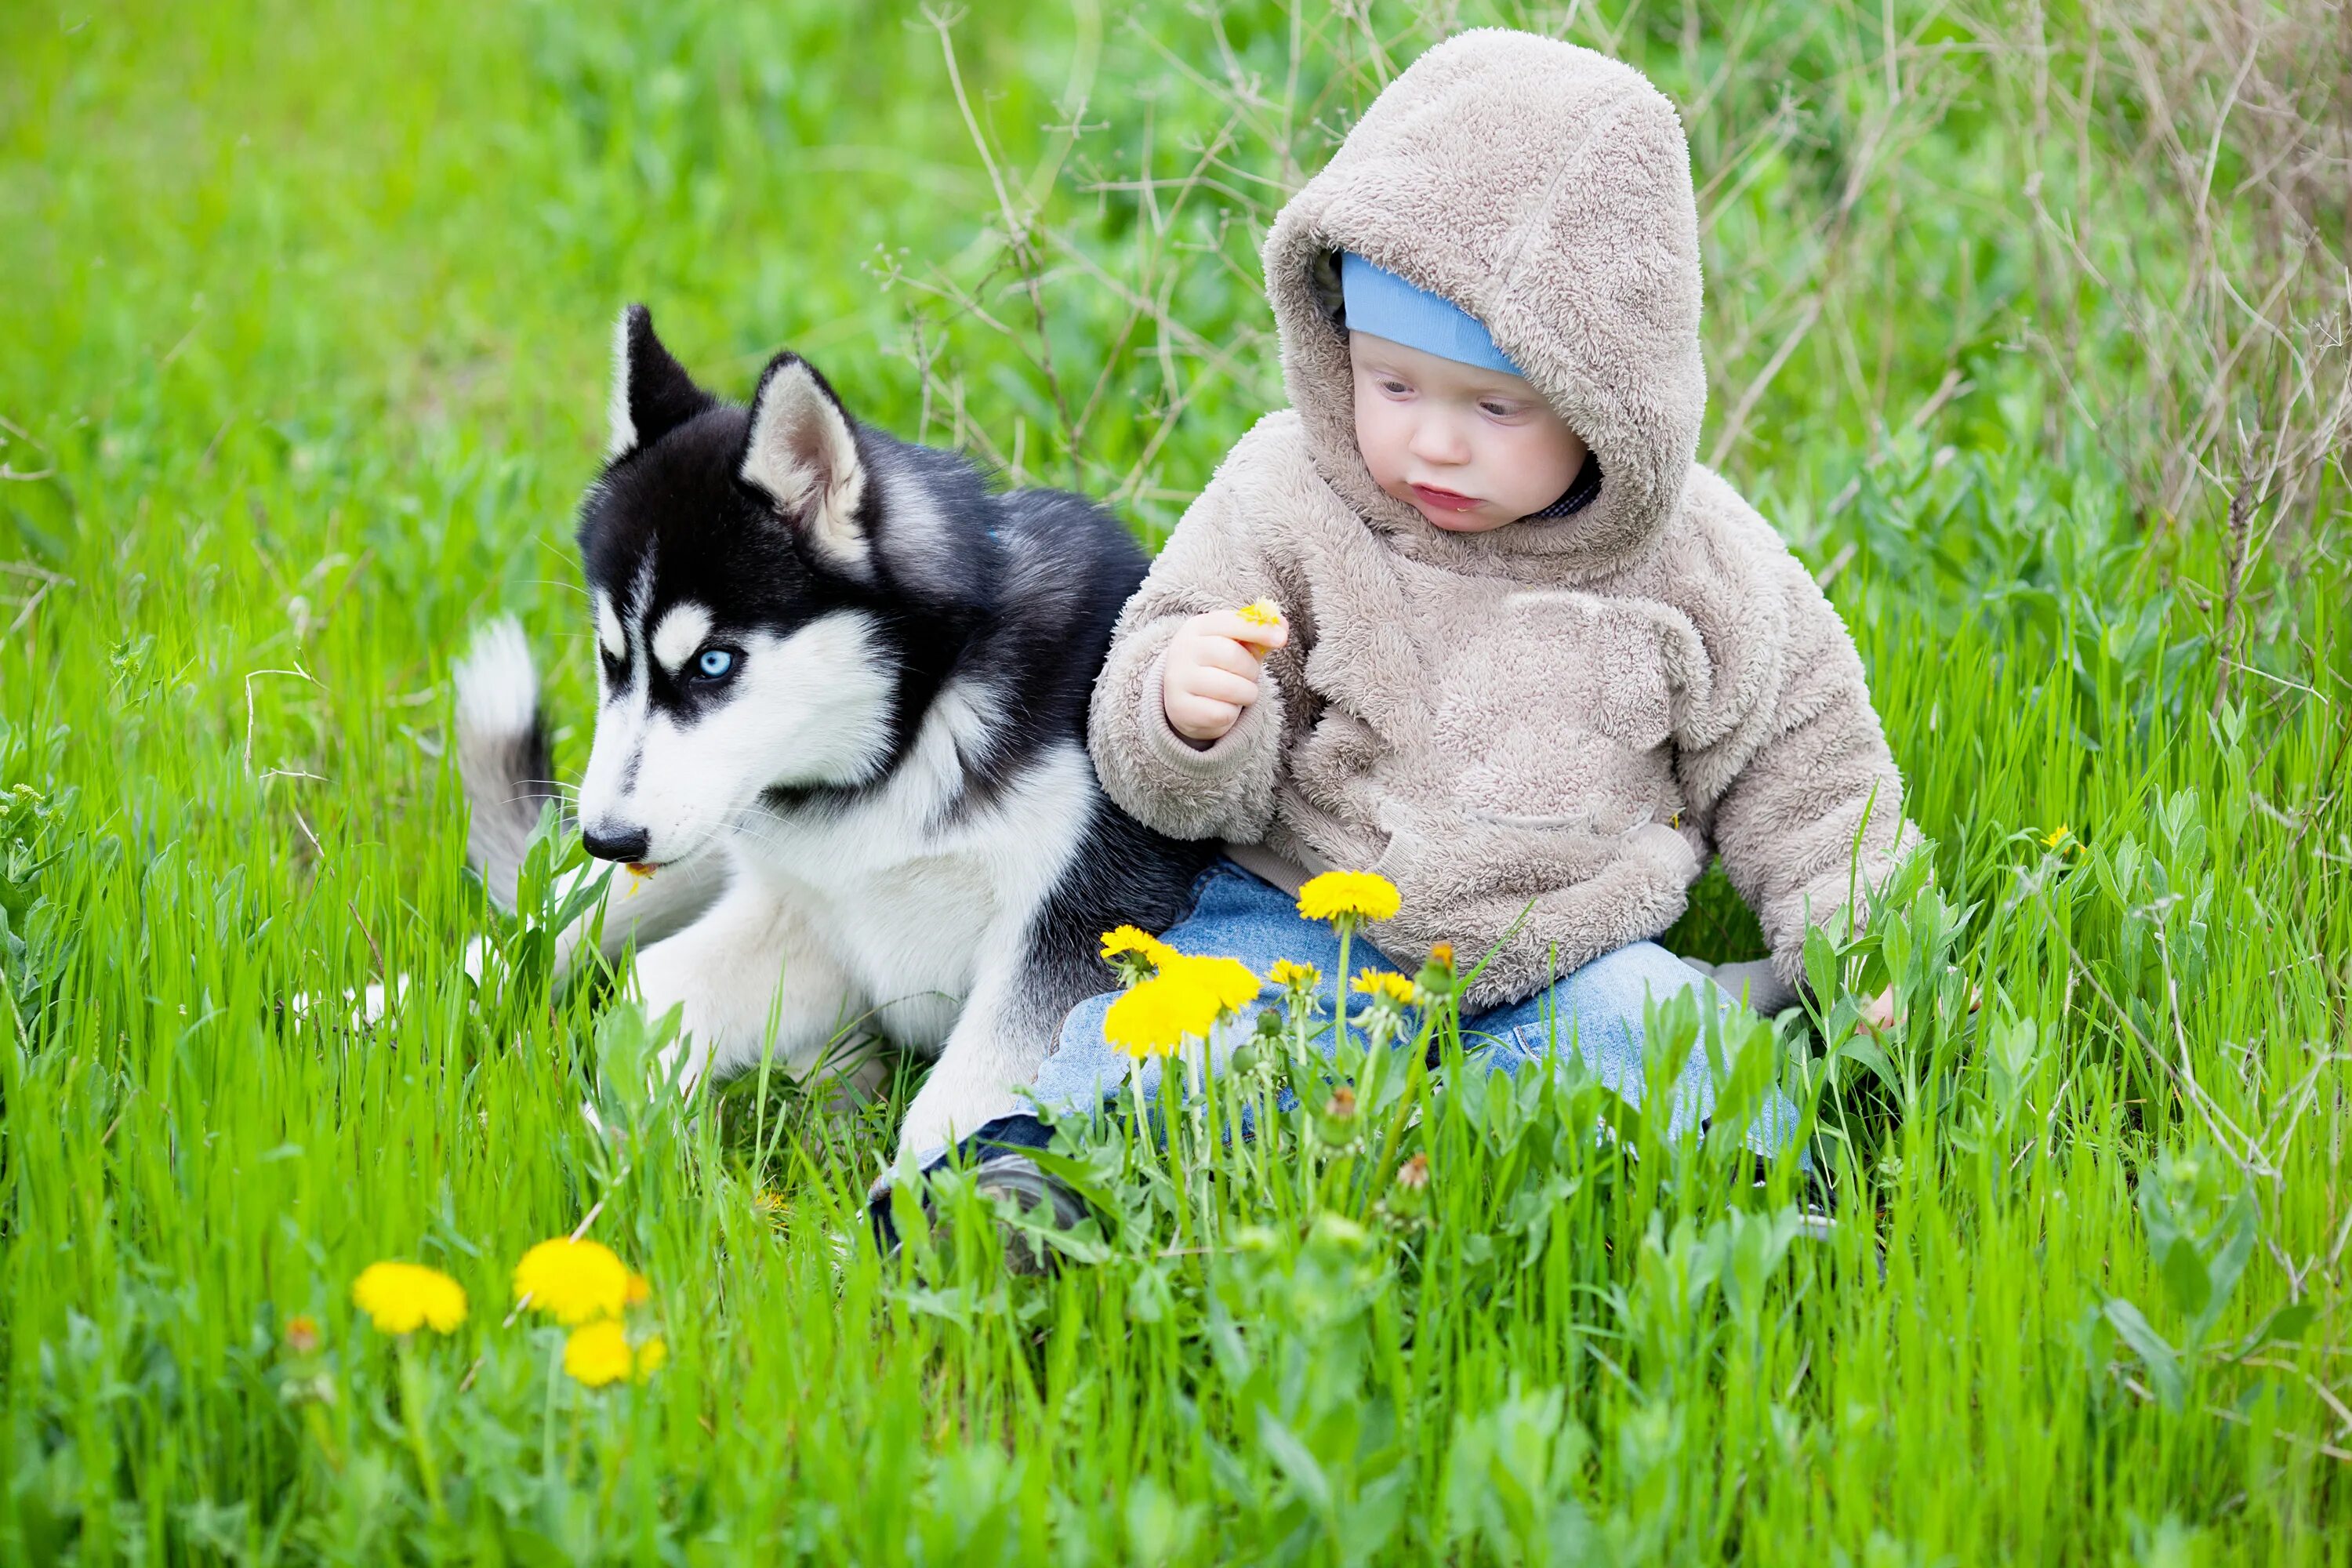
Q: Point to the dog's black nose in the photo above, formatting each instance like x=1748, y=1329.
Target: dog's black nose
x=628, y=846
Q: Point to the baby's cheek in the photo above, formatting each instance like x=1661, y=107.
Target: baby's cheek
x=1380, y=439
x=1533, y=466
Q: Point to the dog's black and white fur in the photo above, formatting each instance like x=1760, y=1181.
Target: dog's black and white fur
x=843, y=692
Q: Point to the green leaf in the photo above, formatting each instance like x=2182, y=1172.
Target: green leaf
x=1820, y=966
x=2155, y=1352
x=2185, y=1283
x=1293, y=1459
x=2228, y=1261
x=1366, y=1523
x=2287, y=1325
x=1863, y=1049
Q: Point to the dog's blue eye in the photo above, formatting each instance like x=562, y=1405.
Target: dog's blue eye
x=714, y=664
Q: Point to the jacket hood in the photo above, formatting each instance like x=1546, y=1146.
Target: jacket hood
x=1545, y=189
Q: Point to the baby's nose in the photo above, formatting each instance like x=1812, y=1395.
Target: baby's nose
x=1439, y=440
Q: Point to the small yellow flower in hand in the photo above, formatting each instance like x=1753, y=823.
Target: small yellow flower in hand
x=1261, y=613
x=400, y=1298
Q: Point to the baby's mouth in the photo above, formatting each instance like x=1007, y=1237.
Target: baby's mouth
x=1444, y=499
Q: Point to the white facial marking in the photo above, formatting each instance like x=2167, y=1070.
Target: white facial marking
x=812, y=708
x=682, y=629
x=609, y=634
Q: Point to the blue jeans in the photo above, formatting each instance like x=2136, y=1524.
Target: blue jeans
x=1596, y=1011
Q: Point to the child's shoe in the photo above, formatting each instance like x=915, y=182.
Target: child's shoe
x=998, y=1158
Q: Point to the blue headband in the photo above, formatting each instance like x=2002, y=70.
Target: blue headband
x=1386, y=306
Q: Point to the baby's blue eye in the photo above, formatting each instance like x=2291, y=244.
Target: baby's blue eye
x=714, y=664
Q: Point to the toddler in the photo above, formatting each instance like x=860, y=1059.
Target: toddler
x=1535, y=663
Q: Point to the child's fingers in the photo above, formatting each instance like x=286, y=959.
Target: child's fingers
x=1199, y=718
x=1242, y=628
x=1222, y=686
x=1224, y=653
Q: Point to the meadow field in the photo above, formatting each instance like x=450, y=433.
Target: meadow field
x=2027, y=326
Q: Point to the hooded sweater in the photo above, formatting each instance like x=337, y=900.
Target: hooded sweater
x=1540, y=733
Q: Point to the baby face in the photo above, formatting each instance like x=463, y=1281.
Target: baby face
x=1469, y=448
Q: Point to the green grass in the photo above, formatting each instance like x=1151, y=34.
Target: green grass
x=304, y=322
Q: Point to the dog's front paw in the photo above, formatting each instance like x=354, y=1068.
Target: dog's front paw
x=925, y=1134
x=948, y=1107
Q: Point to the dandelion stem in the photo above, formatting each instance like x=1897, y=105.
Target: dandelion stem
x=412, y=1410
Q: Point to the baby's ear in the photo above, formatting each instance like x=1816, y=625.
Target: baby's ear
x=652, y=394
x=802, y=456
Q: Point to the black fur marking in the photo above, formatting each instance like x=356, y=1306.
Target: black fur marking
x=661, y=396
x=1126, y=874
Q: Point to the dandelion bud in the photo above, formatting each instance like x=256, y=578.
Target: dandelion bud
x=1414, y=1172
x=1343, y=1104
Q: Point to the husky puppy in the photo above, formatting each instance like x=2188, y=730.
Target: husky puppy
x=842, y=719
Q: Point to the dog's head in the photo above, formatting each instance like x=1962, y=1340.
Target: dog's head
x=747, y=640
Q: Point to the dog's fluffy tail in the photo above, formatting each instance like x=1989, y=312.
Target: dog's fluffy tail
x=503, y=754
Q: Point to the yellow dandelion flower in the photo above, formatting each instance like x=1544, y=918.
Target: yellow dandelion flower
x=598, y=1354
x=1145, y=1022
x=1261, y=613
x=1295, y=976
x=1349, y=895
x=1182, y=1002
x=572, y=1281
x=400, y=1298
x=1121, y=940
x=2054, y=838
x=1382, y=987
x=640, y=1291
x=1224, y=983
x=1441, y=953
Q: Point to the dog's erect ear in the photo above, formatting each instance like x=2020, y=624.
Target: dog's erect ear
x=652, y=394
x=803, y=454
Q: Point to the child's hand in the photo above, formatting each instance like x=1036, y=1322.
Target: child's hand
x=1212, y=668
x=1879, y=1014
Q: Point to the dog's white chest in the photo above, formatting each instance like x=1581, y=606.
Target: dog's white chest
x=915, y=913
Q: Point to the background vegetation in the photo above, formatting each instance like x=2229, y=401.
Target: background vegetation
x=2027, y=324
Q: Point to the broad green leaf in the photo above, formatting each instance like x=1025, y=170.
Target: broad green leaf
x=2162, y=1361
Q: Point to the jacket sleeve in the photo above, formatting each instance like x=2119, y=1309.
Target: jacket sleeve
x=1224, y=790
x=1809, y=816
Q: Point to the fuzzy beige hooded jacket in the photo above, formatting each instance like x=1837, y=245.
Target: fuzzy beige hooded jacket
x=1538, y=733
